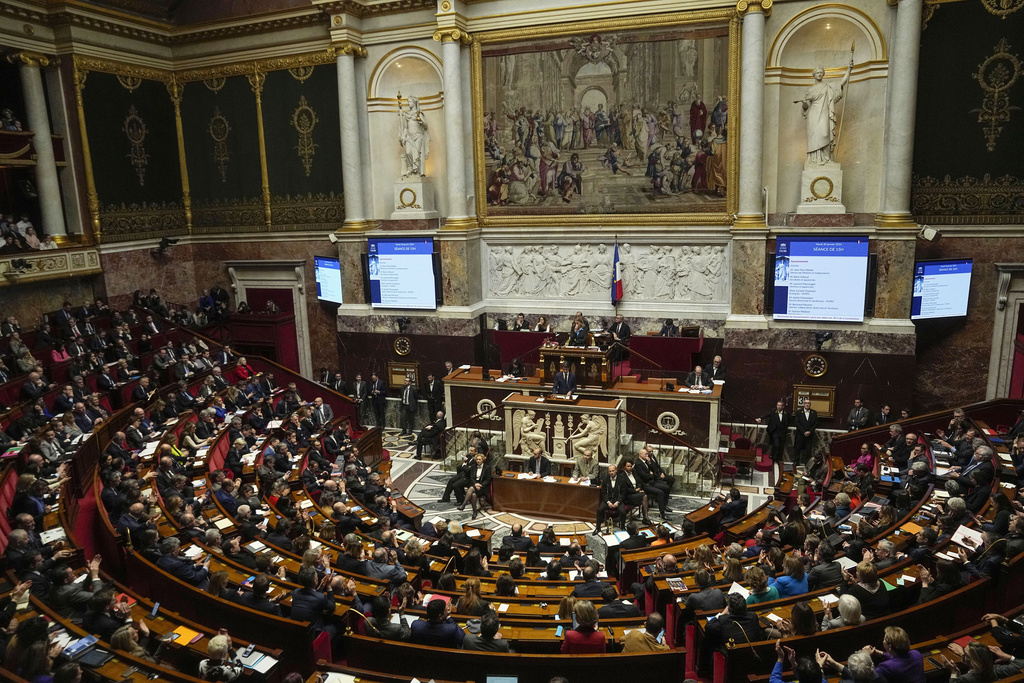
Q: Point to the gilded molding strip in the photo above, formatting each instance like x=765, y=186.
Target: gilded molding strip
x=299, y=61
x=968, y=200
x=177, y=90
x=80, y=73
x=302, y=73
x=126, y=222
x=51, y=265
x=122, y=69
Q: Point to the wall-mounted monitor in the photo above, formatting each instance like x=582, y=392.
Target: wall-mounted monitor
x=941, y=289
x=820, y=278
x=401, y=272
x=328, y=279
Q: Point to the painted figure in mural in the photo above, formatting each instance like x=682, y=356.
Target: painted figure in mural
x=819, y=108
x=414, y=138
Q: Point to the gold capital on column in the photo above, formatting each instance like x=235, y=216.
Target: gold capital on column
x=31, y=58
x=453, y=35
x=347, y=47
x=744, y=6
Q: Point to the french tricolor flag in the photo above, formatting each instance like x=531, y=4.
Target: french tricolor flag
x=616, y=277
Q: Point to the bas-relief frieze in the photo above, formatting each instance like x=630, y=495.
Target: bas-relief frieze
x=677, y=273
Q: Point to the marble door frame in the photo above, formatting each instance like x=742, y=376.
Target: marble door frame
x=1010, y=296
x=289, y=275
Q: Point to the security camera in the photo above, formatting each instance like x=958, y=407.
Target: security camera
x=333, y=237
x=820, y=338
x=929, y=233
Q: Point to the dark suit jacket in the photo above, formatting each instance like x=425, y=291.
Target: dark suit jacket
x=732, y=510
x=414, y=396
x=618, y=609
x=435, y=392
x=623, y=331
x=824, y=575
x=485, y=475
x=610, y=493
x=261, y=603
x=519, y=543
x=803, y=424
x=705, y=380
x=311, y=605
x=589, y=589
x=545, y=465
x=381, y=398
x=184, y=569
x=565, y=383
x=775, y=426
x=360, y=390
x=714, y=373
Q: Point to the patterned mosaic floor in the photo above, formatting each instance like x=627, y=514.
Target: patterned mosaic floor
x=423, y=483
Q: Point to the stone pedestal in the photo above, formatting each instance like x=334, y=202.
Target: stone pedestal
x=821, y=190
x=414, y=199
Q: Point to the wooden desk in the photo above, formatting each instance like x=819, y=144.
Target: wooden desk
x=555, y=500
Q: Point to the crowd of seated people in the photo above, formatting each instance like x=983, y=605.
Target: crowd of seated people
x=20, y=236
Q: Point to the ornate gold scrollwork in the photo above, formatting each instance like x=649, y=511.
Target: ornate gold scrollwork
x=135, y=129
x=302, y=73
x=129, y=83
x=31, y=58
x=744, y=6
x=219, y=130
x=350, y=48
x=215, y=85
x=304, y=120
x=453, y=35
x=996, y=75
x=1002, y=8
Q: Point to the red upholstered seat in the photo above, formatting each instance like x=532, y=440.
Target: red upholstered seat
x=724, y=470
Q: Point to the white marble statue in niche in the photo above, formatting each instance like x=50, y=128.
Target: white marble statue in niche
x=527, y=432
x=414, y=137
x=593, y=434
x=697, y=273
x=819, y=108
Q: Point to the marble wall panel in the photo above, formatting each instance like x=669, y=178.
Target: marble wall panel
x=171, y=274
x=29, y=301
x=895, y=278
x=748, y=276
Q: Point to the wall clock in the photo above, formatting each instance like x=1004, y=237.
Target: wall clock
x=815, y=365
x=403, y=346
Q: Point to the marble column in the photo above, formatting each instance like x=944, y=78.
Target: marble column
x=751, y=207
x=351, y=169
x=38, y=119
x=899, y=123
x=455, y=155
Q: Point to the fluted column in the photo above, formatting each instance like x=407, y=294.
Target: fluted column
x=899, y=120
x=47, y=184
x=351, y=169
x=753, y=14
x=452, y=40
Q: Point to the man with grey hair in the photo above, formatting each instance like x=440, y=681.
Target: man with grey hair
x=194, y=573
x=187, y=525
x=249, y=528
x=384, y=565
x=977, y=478
x=212, y=538
x=883, y=556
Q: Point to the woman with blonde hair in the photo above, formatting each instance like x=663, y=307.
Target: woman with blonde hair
x=132, y=639
x=222, y=664
x=760, y=591
x=732, y=573
x=702, y=558
x=585, y=638
x=471, y=602
x=869, y=591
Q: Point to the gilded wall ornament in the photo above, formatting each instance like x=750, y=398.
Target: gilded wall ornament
x=1002, y=8
x=304, y=120
x=996, y=76
x=135, y=129
x=301, y=73
x=968, y=200
x=215, y=84
x=219, y=130
x=130, y=83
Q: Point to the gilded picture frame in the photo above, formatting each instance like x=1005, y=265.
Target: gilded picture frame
x=530, y=171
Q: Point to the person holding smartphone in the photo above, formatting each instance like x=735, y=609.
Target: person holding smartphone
x=648, y=640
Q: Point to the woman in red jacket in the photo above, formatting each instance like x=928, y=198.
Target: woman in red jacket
x=585, y=638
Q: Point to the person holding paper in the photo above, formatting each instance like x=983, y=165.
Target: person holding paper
x=565, y=382
x=538, y=464
x=591, y=587
x=698, y=379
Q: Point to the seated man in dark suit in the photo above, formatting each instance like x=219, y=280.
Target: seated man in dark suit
x=538, y=463
x=734, y=508
x=257, y=598
x=439, y=629
x=591, y=587
x=488, y=640
x=669, y=328
x=620, y=332
x=381, y=620
x=611, y=500
x=613, y=607
x=564, y=382
x=717, y=370
x=430, y=434
x=698, y=379
x=309, y=604
x=173, y=563
x=827, y=572
x=519, y=541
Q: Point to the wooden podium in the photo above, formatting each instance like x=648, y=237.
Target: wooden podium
x=588, y=363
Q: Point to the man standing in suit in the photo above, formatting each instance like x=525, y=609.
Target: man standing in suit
x=337, y=384
x=538, y=464
x=716, y=371
x=360, y=390
x=611, y=501
x=883, y=417
x=434, y=391
x=858, y=417
x=565, y=382
x=379, y=398
x=806, y=425
x=408, y=406
x=321, y=414
x=698, y=379
x=777, y=426
x=620, y=333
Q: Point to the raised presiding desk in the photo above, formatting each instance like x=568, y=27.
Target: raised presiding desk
x=551, y=497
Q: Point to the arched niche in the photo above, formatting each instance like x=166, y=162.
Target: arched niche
x=411, y=70
x=822, y=36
